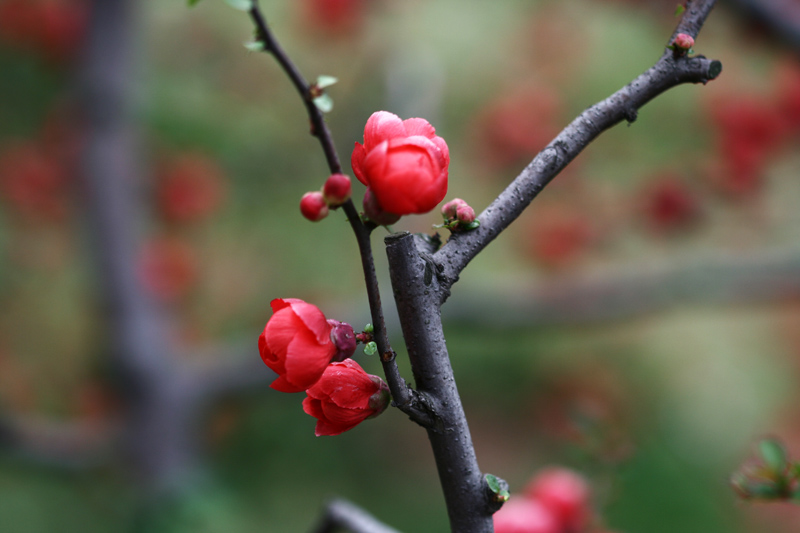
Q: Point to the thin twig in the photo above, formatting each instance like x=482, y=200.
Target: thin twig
x=623, y=105
x=403, y=396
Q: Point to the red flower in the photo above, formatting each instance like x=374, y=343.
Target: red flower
x=521, y=515
x=565, y=494
x=168, y=267
x=296, y=343
x=344, y=397
x=403, y=162
x=668, y=204
x=190, y=188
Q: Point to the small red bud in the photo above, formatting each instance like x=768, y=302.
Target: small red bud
x=313, y=206
x=344, y=338
x=450, y=209
x=375, y=212
x=465, y=214
x=336, y=190
x=380, y=400
x=683, y=42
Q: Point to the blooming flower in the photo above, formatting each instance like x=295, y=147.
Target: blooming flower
x=296, y=344
x=565, y=494
x=521, y=515
x=403, y=162
x=344, y=397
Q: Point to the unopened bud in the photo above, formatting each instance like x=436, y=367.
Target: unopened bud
x=336, y=190
x=450, y=208
x=313, y=206
x=344, y=338
x=682, y=43
x=465, y=214
x=375, y=212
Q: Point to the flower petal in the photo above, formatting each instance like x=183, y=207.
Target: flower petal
x=382, y=126
x=342, y=416
x=419, y=126
x=357, y=162
x=313, y=318
x=281, y=384
x=306, y=359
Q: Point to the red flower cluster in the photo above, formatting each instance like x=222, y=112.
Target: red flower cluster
x=668, y=204
x=403, y=163
x=53, y=28
x=555, y=501
x=311, y=353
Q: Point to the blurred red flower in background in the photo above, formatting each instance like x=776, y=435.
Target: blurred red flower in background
x=190, y=188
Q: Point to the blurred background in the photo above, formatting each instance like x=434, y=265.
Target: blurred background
x=640, y=323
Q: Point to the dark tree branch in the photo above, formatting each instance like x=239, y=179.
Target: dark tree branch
x=341, y=514
x=403, y=396
x=418, y=305
x=668, y=72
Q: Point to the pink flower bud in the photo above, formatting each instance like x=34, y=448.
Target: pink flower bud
x=465, y=214
x=380, y=400
x=683, y=42
x=313, y=206
x=375, y=212
x=521, y=515
x=344, y=338
x=336, y=190
x=449, y=209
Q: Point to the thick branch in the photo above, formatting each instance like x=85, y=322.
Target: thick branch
x=343, y=514
x=668, y=72
x=418, y=301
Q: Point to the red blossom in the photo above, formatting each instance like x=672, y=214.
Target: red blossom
x=522, y=515
x=403, y=162
x=344, y=397
x=168, y=267
x=559, y=236
x=296, y=343
x=334, y=17
x=34, y=181
x=565, y=494
x=53, y=28
x=337, y=190
x=668, y=204
x=190, y=188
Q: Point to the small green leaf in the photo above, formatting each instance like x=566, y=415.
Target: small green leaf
x=494, y=485
x=241, y=5
x=326, y=81
x=368, y=328
x=324, y=103
x=679, y=10
x=255, y=46
x=192, y=3
x=370, y=348
x=774, y=455
x=472, y=225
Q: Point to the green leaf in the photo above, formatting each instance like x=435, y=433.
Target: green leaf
x=192, y=3
x=368, y=328
x=494, y=485
x=774, y=455
x=324, y=103
x=679, y=10
x=254, y=46
x=241, y=5
x=472, y=225
x=326, y=81
x=370, y=348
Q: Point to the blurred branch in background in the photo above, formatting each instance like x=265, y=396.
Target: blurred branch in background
x=341, y=514
x=596, y=297
x=781, y=18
